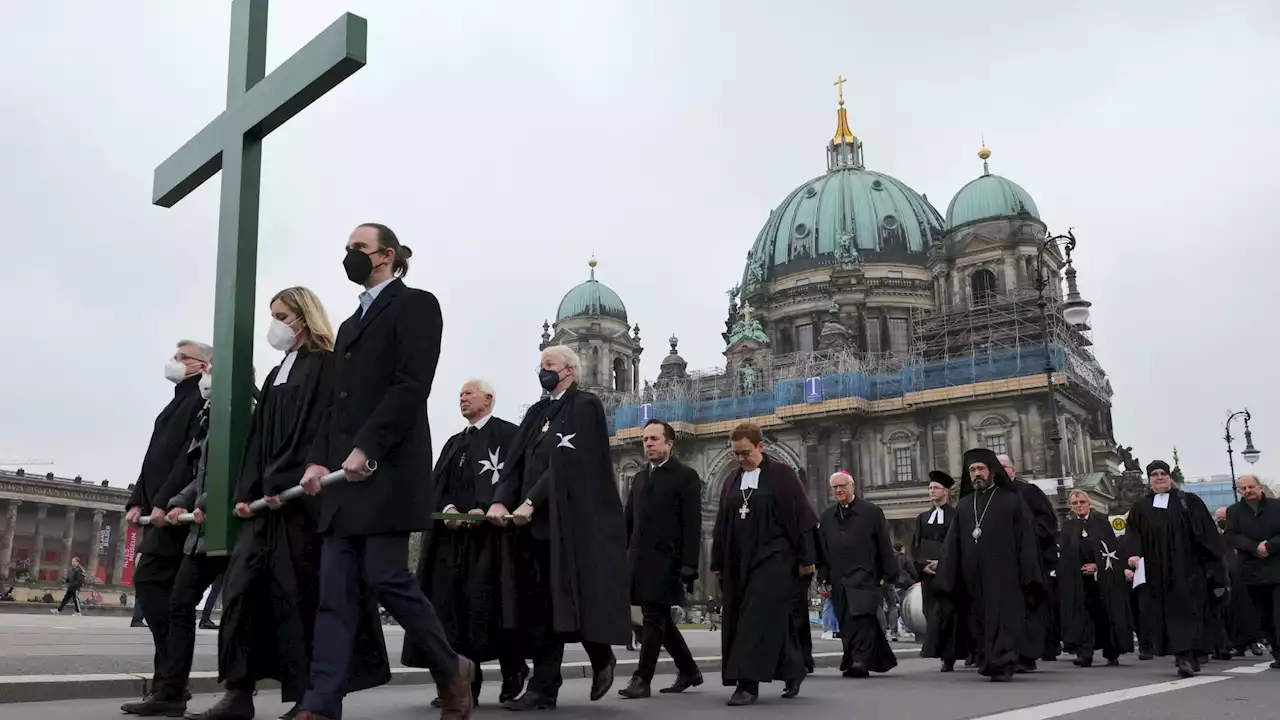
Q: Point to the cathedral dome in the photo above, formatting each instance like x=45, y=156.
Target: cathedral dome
x=988, y=197
x=850, y=214
x=591, y=298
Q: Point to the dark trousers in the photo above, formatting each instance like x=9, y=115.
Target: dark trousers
x=195, y=575
x=1101, y=639
x=1141, y=597
x=207, y=614
x=152, y=582
x=384, y=561
x=660, y=632
x=545, y=649
x=72, y=596
x=137, y=610
x=1266, y=598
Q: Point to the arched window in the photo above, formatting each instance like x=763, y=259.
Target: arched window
x=982, y=286
x=621, y=380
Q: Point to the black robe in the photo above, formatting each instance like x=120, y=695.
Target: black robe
x=1093, y=610
x=468, y=573
x=664, y=524
x=1182, y=552
x=271, y=587
x=165, y=471
x=560, y=461
x=857, y=562
x=1042, y=620
x=758, y=559
x=990, y=583
x=926, y=545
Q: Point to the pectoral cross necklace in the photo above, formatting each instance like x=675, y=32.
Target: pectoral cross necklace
x=744, y=511
x=977, y=521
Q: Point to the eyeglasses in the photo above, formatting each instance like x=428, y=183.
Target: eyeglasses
x=841, y=485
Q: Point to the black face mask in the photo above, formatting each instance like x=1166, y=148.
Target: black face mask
x=358, y=265
x=548, y=379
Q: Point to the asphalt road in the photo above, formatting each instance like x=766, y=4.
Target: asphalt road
x=1135, y=691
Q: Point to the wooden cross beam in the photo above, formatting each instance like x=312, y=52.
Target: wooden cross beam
x=257, y=103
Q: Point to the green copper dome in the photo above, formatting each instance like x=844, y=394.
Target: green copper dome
x=989, y=196
x=591, y=298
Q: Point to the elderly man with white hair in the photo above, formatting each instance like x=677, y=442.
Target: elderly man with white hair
x=465, y=567
x=559, y=480
x=855, y=558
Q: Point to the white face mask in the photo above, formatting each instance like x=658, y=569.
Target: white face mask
x=206, y=385
x=280, y=336
x=175, y=371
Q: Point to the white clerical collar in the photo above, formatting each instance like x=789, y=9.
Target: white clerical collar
x=481, y=422
x=655, y=467
x=1161, y=501
x=560, y=394
x=751, y=479
x=937, y=517
x=282, y=375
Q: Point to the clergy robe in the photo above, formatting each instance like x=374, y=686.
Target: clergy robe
x=1182, y=552
x=858, y=562
x=270, y=589
x=926, y=545
x=468, y=573
x=990, y=582
x=758, y=559
x=560, y=461
x=1093, y=609
x=1042, y=620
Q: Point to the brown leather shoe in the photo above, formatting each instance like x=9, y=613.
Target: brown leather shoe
x=456, y=701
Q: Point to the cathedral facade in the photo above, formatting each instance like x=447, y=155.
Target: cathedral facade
x=872, y=333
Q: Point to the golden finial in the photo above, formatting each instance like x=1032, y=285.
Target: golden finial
x=839, y=83
x=592, y=262
x=985, y=153
x=843, y=133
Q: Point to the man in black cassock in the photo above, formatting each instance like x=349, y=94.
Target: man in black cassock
x=930, y=532
x=1174, y=535
x=762, y=548
x=466, y=568
x=664, y=523
x=573, y=535
x=857, y=561
x=990, y=575
x=1092, y=590
x=1253, y=530
x=1042, y=622
x=164, y=473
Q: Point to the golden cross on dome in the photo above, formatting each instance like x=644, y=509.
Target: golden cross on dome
x=839, y=83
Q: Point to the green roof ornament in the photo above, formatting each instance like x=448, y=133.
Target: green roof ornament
x=747, y=328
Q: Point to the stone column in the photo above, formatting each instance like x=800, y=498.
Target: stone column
x=37, y=555
x=6, y=543
x=122, y=544
x=1039, y=454
x=845, y=456
x=1010, y=272
x=1025, y=456
x=811, y=467
x=954, y=449
x=91, y=567
x=68, y=536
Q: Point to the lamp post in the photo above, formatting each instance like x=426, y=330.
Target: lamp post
x=1075, y=311
x=1250, y=453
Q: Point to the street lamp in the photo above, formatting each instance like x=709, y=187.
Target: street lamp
x=1075, y=311
x=1250, y=453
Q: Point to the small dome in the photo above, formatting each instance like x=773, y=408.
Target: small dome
x=591, y=299
x=988, y=197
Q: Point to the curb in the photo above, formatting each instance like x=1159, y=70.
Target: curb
x=45, y=688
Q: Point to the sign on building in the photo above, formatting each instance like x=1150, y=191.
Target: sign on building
x=646, y=413
x=813, y=389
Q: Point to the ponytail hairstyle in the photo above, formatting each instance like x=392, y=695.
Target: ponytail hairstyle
x=387, y=240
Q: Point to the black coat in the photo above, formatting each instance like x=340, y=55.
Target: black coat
x=664, y=522
x=1092, y=541
x=1246, y=528
x=164, y=468
x=856, y=557
x=471, y=465
x=384, y=364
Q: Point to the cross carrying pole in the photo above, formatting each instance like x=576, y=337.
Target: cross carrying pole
x=257, y=103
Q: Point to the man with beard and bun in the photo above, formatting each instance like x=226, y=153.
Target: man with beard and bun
x=762, y=547
x=574, y=583
x=1092, y=590
x=857, y=562
x=931, y=530
x=990, y=573
x=1253, y=528
x=664, y=519
x=1042, y=623
x=1174, y=536
x=466, y=567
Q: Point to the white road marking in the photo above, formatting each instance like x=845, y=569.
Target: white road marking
x=1088, y=702
x=1250, y=669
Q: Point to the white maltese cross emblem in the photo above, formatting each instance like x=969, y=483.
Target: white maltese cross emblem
x=564, y=440
x=1109, y=554
x=492, y=464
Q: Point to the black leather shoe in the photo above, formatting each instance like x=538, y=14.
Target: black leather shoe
x=791, y=689
x=602, y=680
x=1185, y=668
x=948, y=666
x=856, y=670
x=1026, y=666
x=636, y=689
x=683, y=682
x=233, y=705
x=1083, y=661
x=1113, y=662
x=513, y=686
x=531, y=701
x=152, y=706
x=208, y=625
x=741, y=697
x=292, y=712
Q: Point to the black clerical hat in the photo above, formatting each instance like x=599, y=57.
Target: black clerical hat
x=988, y=458
x=941, y=478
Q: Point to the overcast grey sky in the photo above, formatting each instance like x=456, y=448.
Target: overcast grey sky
x=505, y=141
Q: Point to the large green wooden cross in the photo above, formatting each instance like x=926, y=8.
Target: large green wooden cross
x=257, y=103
